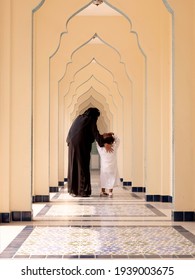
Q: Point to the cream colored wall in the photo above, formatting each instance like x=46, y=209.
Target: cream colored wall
x=15, y=97
x=183, y=105
x=153, y=25
x=139, y=82
x=5, y=89
x=47, y=29
x=193, y=102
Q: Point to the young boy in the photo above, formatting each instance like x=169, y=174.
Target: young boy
x=109, y=176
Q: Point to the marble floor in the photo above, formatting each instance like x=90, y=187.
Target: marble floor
x=124, y=226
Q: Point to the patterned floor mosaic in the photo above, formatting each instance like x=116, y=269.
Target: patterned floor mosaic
x=119, y=193
x=105, y=242
x=122, y=210
x=125, y=226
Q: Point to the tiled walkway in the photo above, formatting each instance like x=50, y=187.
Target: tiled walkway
x=125, y=226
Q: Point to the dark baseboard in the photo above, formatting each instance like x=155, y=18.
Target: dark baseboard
x=159, y=198
x=21, y=216
x=16, y=216
x=138, y=189
x=183, y=216
x=127, y=183
x=54, y=189
x=40, y=198
x=5, y=217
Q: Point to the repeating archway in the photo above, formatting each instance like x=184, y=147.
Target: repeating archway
x=70, y=82
x=77, y=49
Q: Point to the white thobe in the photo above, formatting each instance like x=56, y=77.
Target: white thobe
x=109, y=176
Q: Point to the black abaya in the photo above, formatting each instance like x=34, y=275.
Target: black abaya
x=81, y=135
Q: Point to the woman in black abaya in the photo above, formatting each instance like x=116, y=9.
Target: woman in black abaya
x=80, y=137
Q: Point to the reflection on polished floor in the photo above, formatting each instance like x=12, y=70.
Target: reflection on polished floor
x=125, y=226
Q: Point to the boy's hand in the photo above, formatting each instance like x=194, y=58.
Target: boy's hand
x=108, y=148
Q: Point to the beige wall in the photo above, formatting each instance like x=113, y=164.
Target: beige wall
x=5, y=91
x=193, y=102
x=183, y=105
x=138, y=71
x=15, y=100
